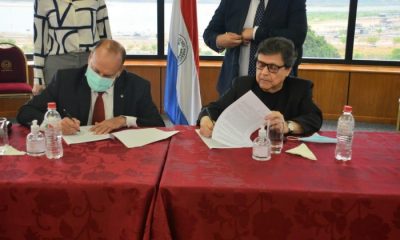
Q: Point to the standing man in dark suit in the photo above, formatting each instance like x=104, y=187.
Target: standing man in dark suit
x=101, y=93
x=288, y=98
x=240, y=25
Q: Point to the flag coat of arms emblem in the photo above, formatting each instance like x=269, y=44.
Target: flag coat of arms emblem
x=182, y=101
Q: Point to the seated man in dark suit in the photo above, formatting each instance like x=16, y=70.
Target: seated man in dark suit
x=289, y=98
x=125, y=96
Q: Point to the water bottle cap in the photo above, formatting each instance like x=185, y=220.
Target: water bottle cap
x=347, y=108
x=51, y=105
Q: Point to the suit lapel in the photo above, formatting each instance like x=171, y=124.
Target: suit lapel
x=84, y=96
x=119, y=95
x=277, y=5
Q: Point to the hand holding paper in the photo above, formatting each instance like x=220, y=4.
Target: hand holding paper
x=238, y=121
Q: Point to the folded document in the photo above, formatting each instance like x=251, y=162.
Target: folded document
x=140, y=137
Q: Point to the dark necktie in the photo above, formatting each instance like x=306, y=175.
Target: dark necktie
x=98, y=110
x=253, y=47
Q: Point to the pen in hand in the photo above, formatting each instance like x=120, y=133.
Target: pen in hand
x=68, y=115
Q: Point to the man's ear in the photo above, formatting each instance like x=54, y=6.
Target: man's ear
x=90, y=56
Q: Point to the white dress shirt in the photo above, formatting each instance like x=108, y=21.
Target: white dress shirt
x=245, y=49
x=108, y=99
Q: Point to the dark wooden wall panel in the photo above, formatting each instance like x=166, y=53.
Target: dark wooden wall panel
x=9, y=105
x=375, y=96
x=208, y=84
x=153, y=74
x=372, y=91
x=330, y=90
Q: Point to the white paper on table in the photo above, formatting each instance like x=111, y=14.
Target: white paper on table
x=11, y=151
x=140, y=137
x=211, y=143
x=84, y=135
x=238, y=121
x=302, y=150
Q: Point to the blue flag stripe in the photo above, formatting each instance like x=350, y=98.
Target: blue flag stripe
x=171, y=105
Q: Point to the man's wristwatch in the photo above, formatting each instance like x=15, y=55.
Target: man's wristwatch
x=290, y=126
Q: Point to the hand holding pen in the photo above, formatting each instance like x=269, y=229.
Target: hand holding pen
x=206, y=124
x=209, y=115
x=69, y=124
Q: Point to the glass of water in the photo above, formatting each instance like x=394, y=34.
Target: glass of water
x=276, y=137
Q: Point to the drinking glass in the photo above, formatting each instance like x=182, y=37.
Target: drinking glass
x=276, y=137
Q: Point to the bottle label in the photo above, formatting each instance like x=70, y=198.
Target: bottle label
x=36, y=147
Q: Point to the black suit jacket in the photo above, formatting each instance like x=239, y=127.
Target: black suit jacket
x=295, y=101
x=282, y=18
x=70, y=90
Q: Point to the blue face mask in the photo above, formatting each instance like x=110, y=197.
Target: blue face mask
x=96, y=82
x=318, y=139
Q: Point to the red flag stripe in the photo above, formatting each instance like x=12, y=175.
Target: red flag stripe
x=189, y=14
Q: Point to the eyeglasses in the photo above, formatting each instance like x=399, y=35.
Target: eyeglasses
x=272, y=68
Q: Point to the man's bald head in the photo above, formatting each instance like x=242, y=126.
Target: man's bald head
x=111, y=47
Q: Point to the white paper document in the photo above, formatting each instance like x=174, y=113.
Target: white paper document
x=238, y=121
x=11, y=151
x=211, y=143
x=84, y=135
x=140, y=137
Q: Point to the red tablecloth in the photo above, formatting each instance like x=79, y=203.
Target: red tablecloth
x=98, y=190
x=224, y=194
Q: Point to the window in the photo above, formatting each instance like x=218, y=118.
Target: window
x=205, y=11
x=377, y=33
x=16, y=23
x=134, y=24
x=375, y=24
x=327, y=29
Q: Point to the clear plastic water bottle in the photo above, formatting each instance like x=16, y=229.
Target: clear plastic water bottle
x=262, y=146
x=53, y=135
x=344, y=135
x=35, y=141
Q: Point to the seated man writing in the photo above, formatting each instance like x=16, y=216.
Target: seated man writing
x=102, y=94
x=289, y=98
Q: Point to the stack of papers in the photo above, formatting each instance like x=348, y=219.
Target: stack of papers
x=238, y=121
x=211, y=143
x=130, y=138
x=84, y=135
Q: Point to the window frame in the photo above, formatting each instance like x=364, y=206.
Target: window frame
x=348, y=59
